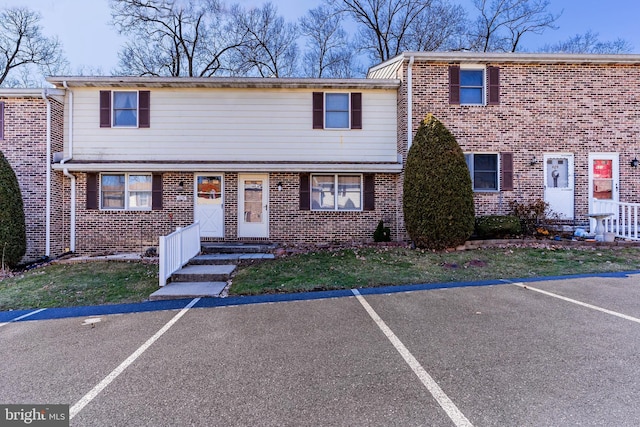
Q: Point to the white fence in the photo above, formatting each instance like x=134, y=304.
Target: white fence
x=177, y=249
x=624, y=223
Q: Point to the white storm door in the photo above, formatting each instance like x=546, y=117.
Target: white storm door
x=604, y=176
x=559, y=184
x=209, y=204
x=253, y=206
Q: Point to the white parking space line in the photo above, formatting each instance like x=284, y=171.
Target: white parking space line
x=124, y=365
x=443, y=400
x=583, y=304
x=22, y=317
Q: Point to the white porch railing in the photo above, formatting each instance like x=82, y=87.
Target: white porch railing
x=177, y=249
x=625, y=222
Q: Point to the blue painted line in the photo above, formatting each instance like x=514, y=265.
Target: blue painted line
x=98, y=310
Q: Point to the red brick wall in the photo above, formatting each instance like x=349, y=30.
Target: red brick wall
x=102, y=232
x=544, y=108
x=25, y=145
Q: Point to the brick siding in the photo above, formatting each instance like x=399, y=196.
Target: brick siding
x=544, y=108
x=25, y=147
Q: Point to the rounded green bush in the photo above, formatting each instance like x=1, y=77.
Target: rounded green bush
x=13, y=239
x=438, y=198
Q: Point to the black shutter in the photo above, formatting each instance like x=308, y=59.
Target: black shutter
x=144, y=109
x=1, y=121
x=506, y=170
x=156, y=192
x=318, y=110
x=494, y=85
x=454, y=84
x=105, y=108
x=305, y=192
x=356, y=110
x=369, y=203
x=92, y=190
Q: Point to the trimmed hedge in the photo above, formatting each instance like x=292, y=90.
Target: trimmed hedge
x=438, y=198
x=492, y=226
x=13, y=238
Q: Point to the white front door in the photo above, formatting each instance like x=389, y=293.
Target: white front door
x=604, y=170
x=253, y=206
x=559, y=184
x=209, y=204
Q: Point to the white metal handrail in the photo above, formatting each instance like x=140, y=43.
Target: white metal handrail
x=625, y=222
x=177, y=249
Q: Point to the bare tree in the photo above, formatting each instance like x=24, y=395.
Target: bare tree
x=589, y=43
x=174, y=37
x=502, y=23
x=23, y=47
x=328, y=50
x=270, y=48
x=388, y=27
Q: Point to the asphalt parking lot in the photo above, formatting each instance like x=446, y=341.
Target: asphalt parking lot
x=548, y=353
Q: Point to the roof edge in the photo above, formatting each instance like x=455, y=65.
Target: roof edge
x=222, y=82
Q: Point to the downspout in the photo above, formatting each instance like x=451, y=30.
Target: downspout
x=47, y=245
x=410, y=102
x=72, y=219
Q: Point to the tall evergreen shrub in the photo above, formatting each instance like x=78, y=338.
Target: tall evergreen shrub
x=13, y=239
x=438, y=197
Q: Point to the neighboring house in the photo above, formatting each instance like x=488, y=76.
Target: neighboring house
x=281, y=160
x=31, y=123
x=557, y=127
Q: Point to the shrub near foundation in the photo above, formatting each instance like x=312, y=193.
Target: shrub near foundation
x=13, y=239
x=497, y=226
x=438, y=198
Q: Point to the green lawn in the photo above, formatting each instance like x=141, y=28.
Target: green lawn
x=100, y=282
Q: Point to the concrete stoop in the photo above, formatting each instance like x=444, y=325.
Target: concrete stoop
x=208, y=274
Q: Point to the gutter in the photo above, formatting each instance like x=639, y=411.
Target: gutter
x=65, y=171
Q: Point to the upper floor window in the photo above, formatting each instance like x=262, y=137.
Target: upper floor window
x=125, y=108
x=337, y=110
x=474, y=86
x=1, y=121
x=471, y=86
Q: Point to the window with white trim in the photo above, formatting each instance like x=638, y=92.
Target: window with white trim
x=125, y=109
x=484, y=170
x=336, y=111
x=126, y=191
x=472, y=86
x=336, y=192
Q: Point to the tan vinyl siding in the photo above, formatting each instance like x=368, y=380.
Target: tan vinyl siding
x=249, y=125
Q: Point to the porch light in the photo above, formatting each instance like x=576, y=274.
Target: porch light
x=279, y=186
x=533, y=161
x=634, y=162
x=180, y=186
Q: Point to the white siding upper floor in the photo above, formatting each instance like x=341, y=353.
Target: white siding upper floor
x=232, y=124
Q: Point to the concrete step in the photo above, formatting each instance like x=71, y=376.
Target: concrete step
x=236, y=247
x=180, y=290
x=203, y=273
x=224, y=258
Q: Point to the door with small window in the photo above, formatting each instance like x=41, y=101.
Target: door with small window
x=604, y=170
x=253, y=207
x=559, y=184
x=209, y=204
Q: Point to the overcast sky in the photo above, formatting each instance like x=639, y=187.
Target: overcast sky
x=89, y=40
